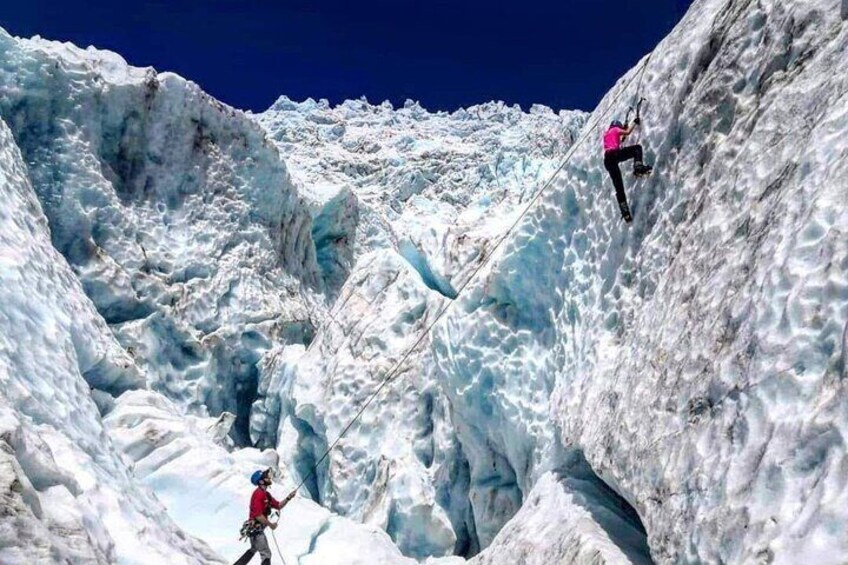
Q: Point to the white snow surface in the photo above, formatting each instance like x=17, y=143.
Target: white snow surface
x=204, y=486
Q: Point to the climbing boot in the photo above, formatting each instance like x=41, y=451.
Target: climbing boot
x=641, y=170
x=625, y=212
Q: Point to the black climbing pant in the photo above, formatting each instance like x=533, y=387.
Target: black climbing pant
x=611, y=160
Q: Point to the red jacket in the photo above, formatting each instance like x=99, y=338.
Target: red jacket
x=261, y=503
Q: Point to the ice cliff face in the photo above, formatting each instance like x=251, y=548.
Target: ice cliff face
x=58, y=467
x=697, y=358
x=174, y=211
x=208, y=302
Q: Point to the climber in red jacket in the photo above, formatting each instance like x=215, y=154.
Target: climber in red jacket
x=261, y=503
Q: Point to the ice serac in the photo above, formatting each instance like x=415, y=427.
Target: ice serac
x=694, y=357
x=430, y=194
x=174, y=211
x=394, y=468
x=435, y=186
x=67, y=495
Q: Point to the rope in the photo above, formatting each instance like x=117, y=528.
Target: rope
x=487, y=257
x=274, y=537
x=642, y=76
x=639, y=98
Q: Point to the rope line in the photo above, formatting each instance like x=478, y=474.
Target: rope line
x=283, y=559
x=390, y=374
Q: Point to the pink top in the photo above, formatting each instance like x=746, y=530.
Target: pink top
x=612, y=138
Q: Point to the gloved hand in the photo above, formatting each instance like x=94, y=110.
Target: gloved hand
x=637, y=121
x=290, y=496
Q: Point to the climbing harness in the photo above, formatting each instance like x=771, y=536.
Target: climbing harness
x=249, y=529
x=393, y=371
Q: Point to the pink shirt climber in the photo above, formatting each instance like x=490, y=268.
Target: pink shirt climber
x=612, y=139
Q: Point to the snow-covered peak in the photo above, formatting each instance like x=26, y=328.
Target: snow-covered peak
x=108, y=64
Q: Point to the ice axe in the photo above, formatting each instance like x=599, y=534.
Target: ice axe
x=638, y=111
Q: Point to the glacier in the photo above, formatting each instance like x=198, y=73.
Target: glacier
x=441, y=206
x=59, y=466
x=153, y=249
x=191, y=292
x=693, y=358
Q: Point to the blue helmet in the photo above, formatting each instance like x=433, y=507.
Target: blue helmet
x=616, y=124
x=256, y=477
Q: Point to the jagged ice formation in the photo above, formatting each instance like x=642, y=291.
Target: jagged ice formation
x=179, y=288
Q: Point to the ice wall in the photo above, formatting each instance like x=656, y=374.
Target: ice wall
x=569, y=518
x=398, y=468
x=173, y=210
x=695, y=357
x=67, y=496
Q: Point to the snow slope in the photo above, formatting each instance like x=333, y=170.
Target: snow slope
x=205, y=489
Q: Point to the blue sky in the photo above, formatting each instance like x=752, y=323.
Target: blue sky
x=446, y=54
